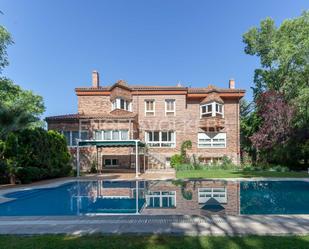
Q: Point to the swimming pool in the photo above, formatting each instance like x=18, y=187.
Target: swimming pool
x=75, y=198
x=274, y=197
x=202, y=197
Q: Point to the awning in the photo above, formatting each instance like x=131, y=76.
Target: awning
x=99, y=144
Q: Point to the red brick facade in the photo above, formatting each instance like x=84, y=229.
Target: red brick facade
x=95, y=113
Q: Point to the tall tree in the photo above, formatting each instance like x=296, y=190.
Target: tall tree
x=284, y=72
x=5, y=40
x=249, y=124
x=19, y=108
x=283, y=53
x=276, y=116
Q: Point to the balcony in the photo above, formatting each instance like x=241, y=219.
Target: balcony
x=212, y=122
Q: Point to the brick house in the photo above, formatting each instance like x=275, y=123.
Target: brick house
x=160, y=116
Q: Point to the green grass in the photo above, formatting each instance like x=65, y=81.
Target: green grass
x=151, y=242
x=220, y=173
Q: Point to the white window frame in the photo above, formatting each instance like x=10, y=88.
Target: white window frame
x=213, y=111
x=169, y=111
x=219, y=194
x=158, y=194
x=71, y=136
x=152, y=144
x=150, y=111
x=111, y=135
x=116, y=104
x=112, y=165
x=213, y=137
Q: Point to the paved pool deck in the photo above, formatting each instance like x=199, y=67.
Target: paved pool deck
x=175, y=225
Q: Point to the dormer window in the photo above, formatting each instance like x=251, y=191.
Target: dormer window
x=120, y=103
x=212, y=109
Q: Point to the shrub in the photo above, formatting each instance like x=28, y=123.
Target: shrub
x=93, y=168
x=183, y=150
x=176, y=160
x=266, y=167
x=226, y=163
x=186, y=166
x=40, y=155
x=4, y=173
x=279, y=168
x=29, y=174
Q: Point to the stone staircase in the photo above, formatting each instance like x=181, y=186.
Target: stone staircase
x=157, y=163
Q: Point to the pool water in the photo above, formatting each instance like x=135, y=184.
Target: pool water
x=274, y=197
x=76, y=198
x=202, y=197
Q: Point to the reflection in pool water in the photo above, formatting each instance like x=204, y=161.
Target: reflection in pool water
x=200, y=197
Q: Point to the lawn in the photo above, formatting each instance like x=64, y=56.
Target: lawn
x=220, y=173
x=151, y=242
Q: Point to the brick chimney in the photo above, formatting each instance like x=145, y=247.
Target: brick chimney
x=95, y=79
x=232, y=84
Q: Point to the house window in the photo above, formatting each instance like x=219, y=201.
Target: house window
x=204, y=194
x=161, y=199
x=149, y=107
x=71, y=137
x=111, y=162
x=124, y=135
x=84, y=135
x=107, y=135
x=120, y=103
x=67, y=135
x=213, y=109
x=98, y=135
x=206, y=110
x=219, y=109
x=160, y=138
x=211, y=140
x=210, y=160
x=111, y=135
x=170, y=107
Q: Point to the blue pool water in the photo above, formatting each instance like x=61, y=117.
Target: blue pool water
x=274, y=197
x=76, y=198
x=161, y=197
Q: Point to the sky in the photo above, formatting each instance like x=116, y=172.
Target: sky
x=58, y=43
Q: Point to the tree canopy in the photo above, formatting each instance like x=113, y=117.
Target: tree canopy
x=27, y=152
x=5, y=40
x=283, y=53
x=279, y=120
x=19, y=108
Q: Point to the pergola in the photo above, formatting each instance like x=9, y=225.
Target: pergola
x=110, y=144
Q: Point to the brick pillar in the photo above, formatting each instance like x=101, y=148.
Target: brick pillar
x=95, y=79
x=232, y=84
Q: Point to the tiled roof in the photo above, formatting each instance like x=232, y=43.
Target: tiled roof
x=213, y=89
x=210, y=88
x=117, y=114
x=212, y=97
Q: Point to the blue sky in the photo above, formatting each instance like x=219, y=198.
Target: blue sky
x=59, y=42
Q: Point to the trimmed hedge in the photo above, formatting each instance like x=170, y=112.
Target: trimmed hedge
x=38, y=154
